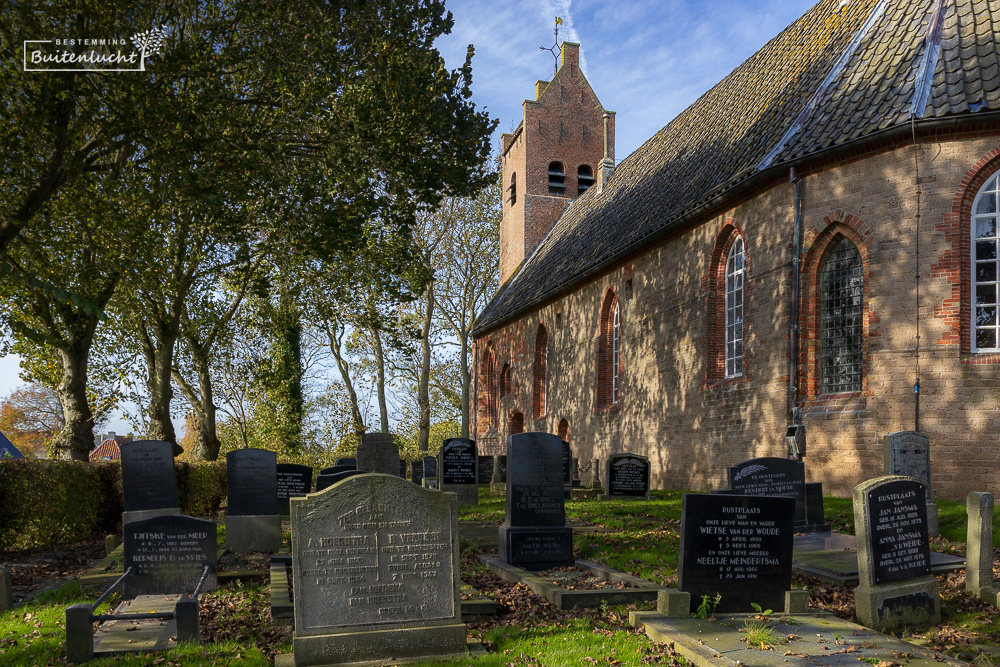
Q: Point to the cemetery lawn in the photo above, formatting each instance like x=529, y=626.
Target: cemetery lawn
x=641, y=538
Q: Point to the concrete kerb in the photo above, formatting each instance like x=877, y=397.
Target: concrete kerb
x=563, y=598
x=817, y=638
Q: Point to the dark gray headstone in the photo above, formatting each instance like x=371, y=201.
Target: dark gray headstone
x=430, y=467
x=251, y=482
x=908, y=453
x=346, y=461
x=485, y=468
x=772, y=476
x=148, y=481
x=567, y=470
x=737, y=546
x=337, y=468
x=535, y=534
x=402, y=468
x=897, y=536
x=417, y=472
x=378, y=453
x=458, y=461
x=294, y=480
x=169, y=554
x=324, y=481
x=627, y=476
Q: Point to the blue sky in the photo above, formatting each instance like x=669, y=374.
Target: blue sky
x=646, y=60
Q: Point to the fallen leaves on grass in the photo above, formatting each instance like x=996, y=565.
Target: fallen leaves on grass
x=241, y=615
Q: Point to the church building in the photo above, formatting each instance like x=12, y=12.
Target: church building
x=812, y=244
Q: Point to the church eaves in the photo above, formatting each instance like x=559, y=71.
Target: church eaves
x=845, y=74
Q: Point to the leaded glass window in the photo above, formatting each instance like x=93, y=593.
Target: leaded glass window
x=985, y=327
x=842, y=319
x=616, y=344
x=735, y=272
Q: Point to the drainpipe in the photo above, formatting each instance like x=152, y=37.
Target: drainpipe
x=795, y=416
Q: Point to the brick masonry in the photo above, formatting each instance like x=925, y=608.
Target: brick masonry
x=677, y=408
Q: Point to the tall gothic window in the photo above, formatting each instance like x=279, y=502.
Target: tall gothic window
x=842, y=319
x=986, y=282
x=735, y=271
x=609, y=352
x=538, y=403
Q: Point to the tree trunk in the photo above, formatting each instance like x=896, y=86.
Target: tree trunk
x=344, y=367
x=383, y=409
x=159, y=362
x=466, y=383
x=76, y=440
x=423, y=396
x=207, y=444
x=287, y=365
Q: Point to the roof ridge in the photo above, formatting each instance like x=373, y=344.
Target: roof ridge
x=820, y=91
x=928, y=62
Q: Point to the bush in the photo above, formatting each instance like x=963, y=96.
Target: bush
x=47, y=503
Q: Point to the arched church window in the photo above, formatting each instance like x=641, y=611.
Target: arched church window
x=735, y=273
x=539, y=380
x=986, y=281
x=609, y=361
x=842, y=320
x=557, y=179
x=513, y=189
x=584, y=178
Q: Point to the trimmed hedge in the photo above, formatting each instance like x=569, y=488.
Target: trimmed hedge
x=50, y=503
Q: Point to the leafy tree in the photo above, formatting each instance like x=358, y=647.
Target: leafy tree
x=30, y=416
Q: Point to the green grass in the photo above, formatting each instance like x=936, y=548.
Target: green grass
x=643, y=540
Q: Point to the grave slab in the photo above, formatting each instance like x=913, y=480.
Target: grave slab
x=252, y=519
x=378, y=453
x=294, y=481
x=908, y=453
x=149, y=486
x=627, y=477
x=457, y=470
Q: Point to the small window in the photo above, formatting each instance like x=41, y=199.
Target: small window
x=540, y=376
x=735, y=271
x=557, y=179
x=584, y=178
x=985, y=328
x=512, y=189
x=842, y=319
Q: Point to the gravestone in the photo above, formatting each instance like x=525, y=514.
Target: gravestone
x=896, y=589
x=485, y=469
x=772, y=476
x=627, y=477
x=6, y=590
x=417, y=472
x=402, y=468
x=498, y=480
x=169, y=554
x=736, y=546
x=149, y=487
x=294, y=480
x=534, y=534
x=378, y=453
x=979, y=547
x=567, y=470
x=430, y=479
x=577, y=482
x=337, y=468
x=908, y=453
x=252, y=519
x=326, y=481
x=457, y=470
x=595, y=472
x=346, y=461
x=375, y=574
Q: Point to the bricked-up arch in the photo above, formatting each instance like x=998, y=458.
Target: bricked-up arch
x=512, y=189
x=486, y=404
x=539, y=379
x=725, y=304
x=954, y=263
x=609, y=351
x=832, y=248
x=505, y=386
x=563, y=430
x=515, y=423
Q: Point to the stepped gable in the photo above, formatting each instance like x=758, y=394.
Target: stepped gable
x=838, y=75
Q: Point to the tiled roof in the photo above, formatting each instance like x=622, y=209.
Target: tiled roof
x=106, y=451
x=839, y=74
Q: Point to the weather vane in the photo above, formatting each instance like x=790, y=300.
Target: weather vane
x=554, y=49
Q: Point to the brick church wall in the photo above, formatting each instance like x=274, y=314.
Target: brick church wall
x=692, y=423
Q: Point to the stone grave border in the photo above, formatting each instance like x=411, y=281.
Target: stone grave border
x=564, y=598
x=101, y=575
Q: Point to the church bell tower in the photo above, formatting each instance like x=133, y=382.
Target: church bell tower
x=563, y=147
